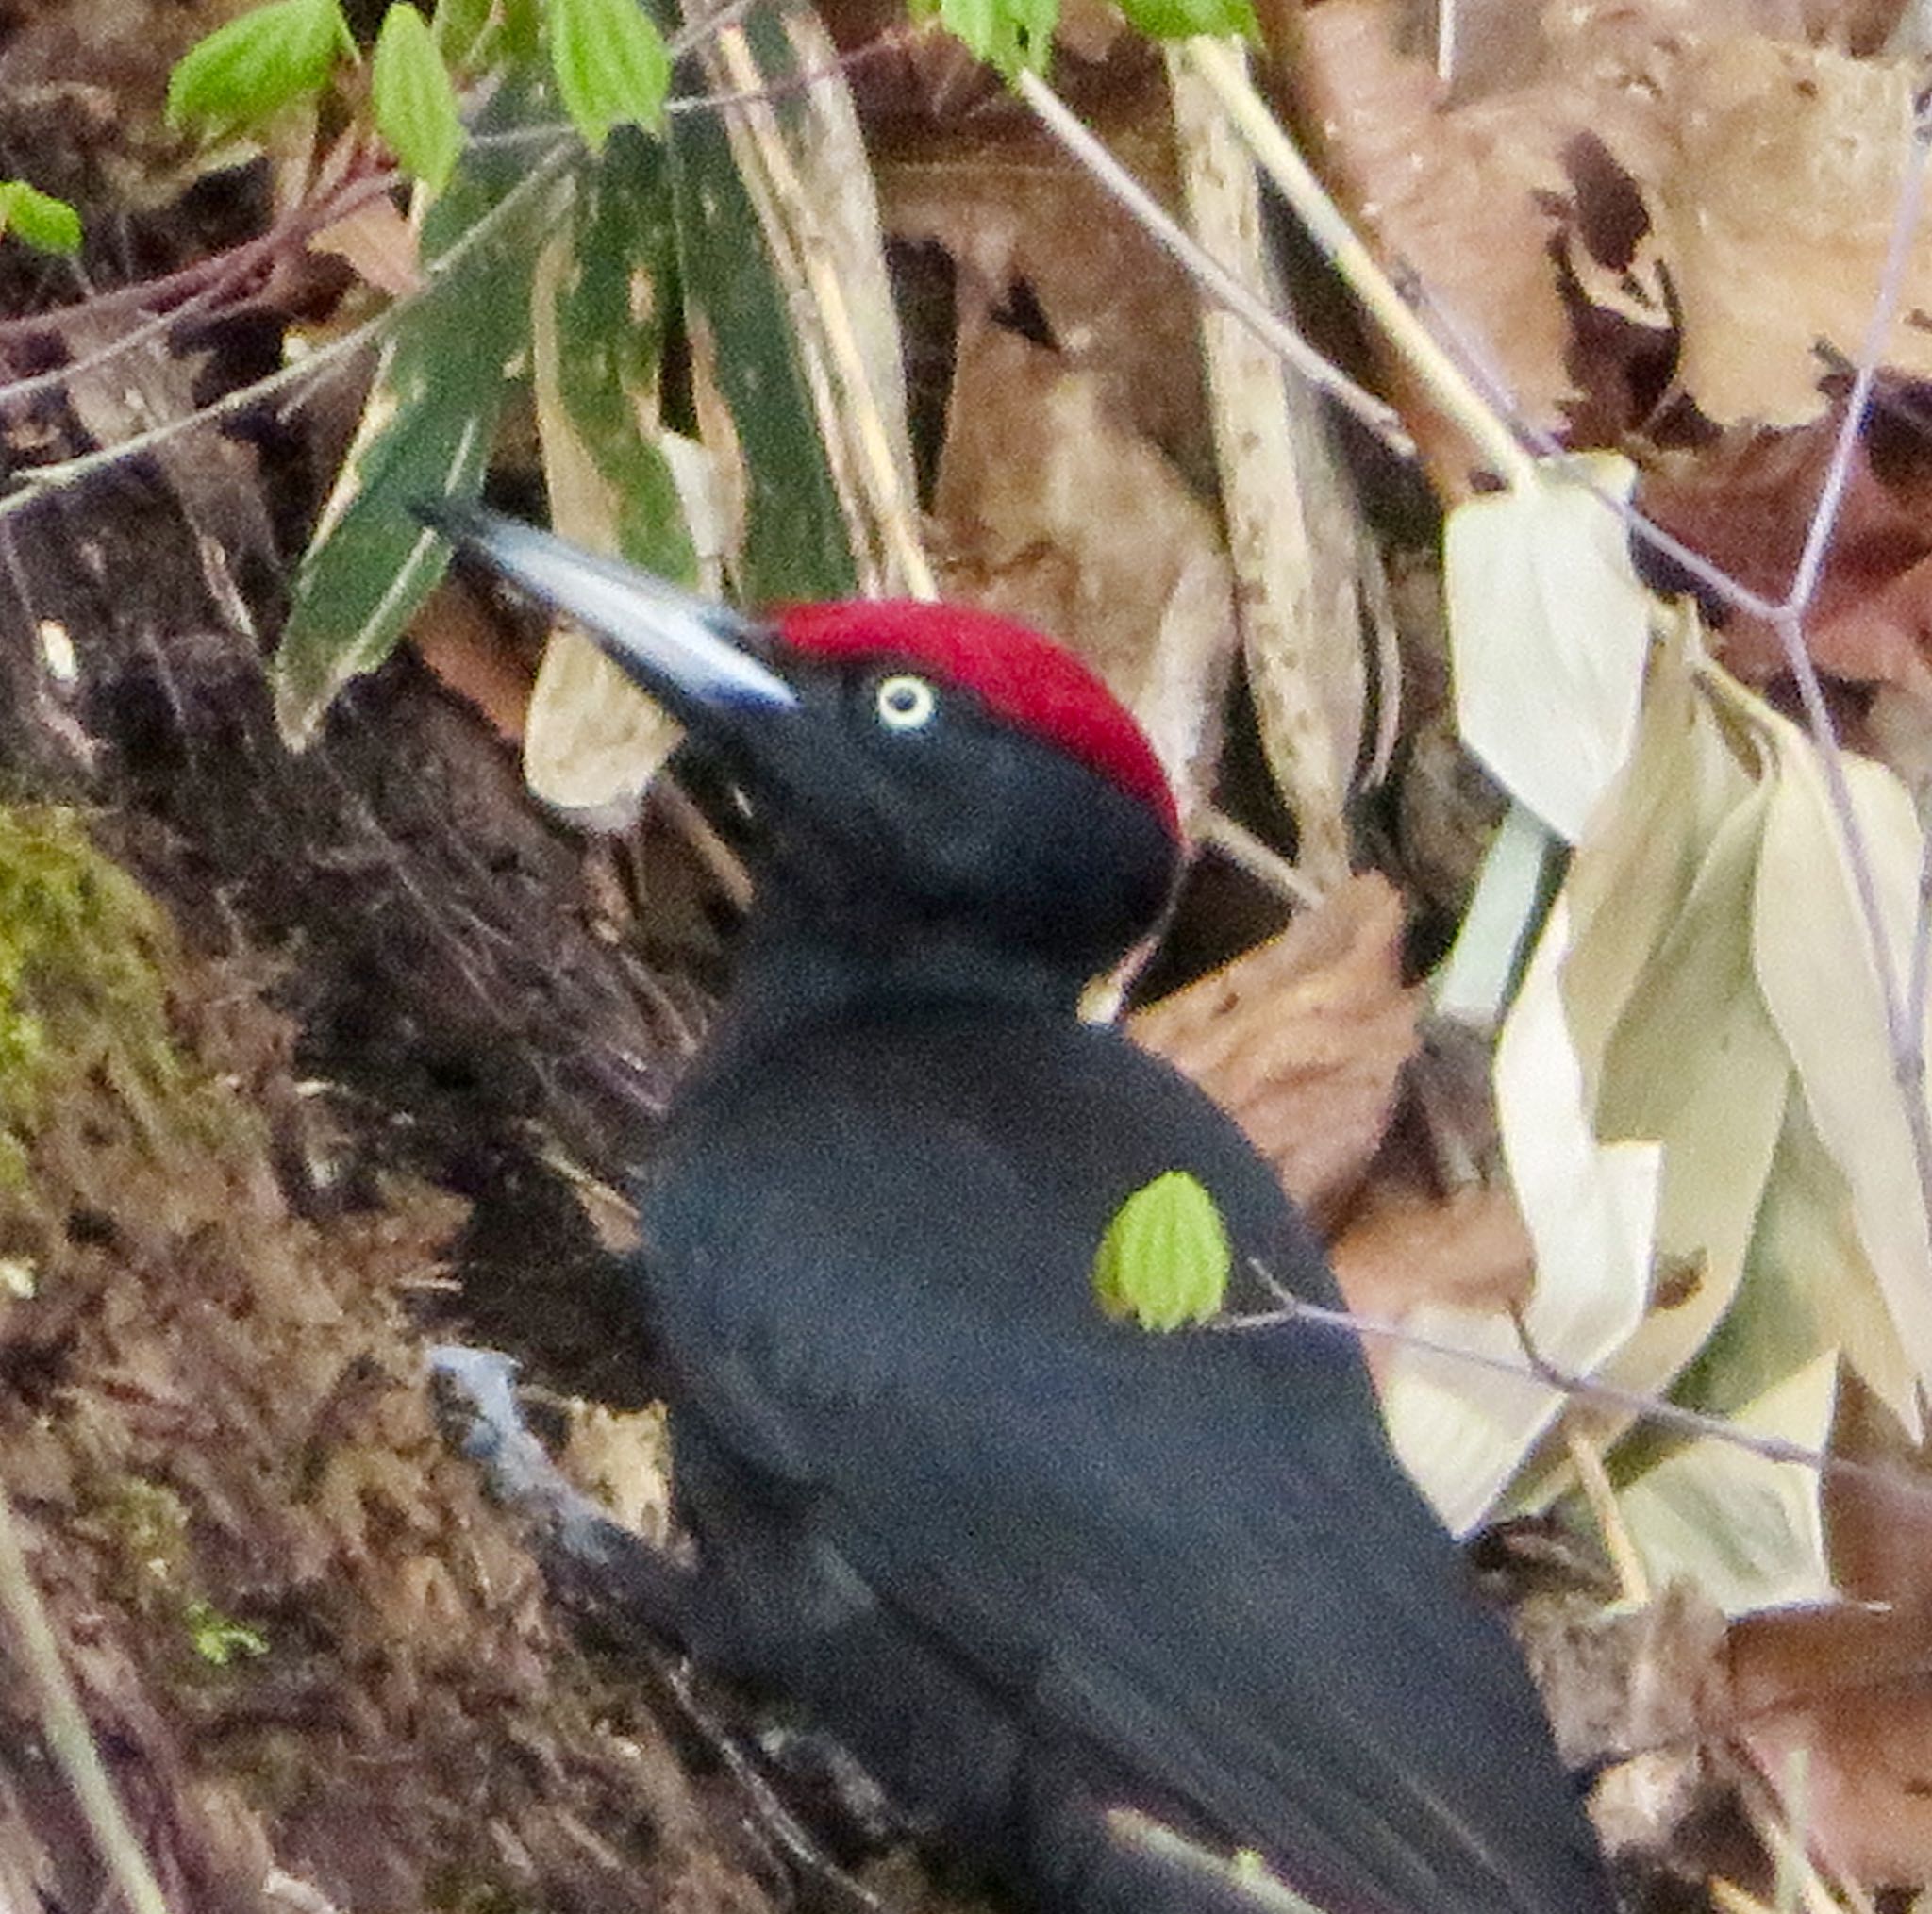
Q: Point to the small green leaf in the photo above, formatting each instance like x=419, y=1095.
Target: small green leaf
x=520, y=32
x=611, y=64
x=438, y=388
x=458, y=26
x=1165, y=1259
x=38, y=218
x=248, y=71
x=1183, y=19
x=1012, y=35
x=413, y=98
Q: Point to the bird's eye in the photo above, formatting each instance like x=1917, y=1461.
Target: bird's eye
x=904, y=702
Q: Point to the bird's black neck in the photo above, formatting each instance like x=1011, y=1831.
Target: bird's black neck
x=797, y=965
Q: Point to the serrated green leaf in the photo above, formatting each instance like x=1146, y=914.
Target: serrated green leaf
x=426, y=432
x=413, y=99
x=1165, y=1259
x=1184, y=19
x=458, y=26
x=38, y=219
x=1010, y=35
x=248, y=71
x=610, y=65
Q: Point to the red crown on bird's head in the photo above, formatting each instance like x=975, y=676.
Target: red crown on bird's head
x=1016, y=673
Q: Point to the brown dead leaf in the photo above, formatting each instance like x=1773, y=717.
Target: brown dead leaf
x=1473, y=199
x=1055, y=512
x=455, y=638
x=1034, y=240
x=1673, y=183
x=1746, y=503
x=1303, y=1039
x=1469, y=1250
x=1880, y=1535
x=1774, y=215
x=379, y=243
x=1838, y=1711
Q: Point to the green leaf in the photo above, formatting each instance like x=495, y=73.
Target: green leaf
x=521, y=31
x=605, y=294
x=248, y=71
x=611, y=322
x=1010, y=35
x=746, y=353
x=1165, y=1259
x=38, y=218
x=426, y=432
x=611, y=64
x=458, y=26
x=413, y=98
x=1183, y=19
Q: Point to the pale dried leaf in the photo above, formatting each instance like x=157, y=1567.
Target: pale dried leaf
x=1551, y=630
x=1813, y=963
x=1294, y=539
x=1591, y=1209
x=1748, y=1531
x=1695, y=1066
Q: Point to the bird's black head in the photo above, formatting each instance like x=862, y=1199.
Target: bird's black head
x=931, y=779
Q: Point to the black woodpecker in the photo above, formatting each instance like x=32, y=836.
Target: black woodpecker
x=1054, y=1577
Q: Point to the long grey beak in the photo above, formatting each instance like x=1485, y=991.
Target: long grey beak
x=693, y=655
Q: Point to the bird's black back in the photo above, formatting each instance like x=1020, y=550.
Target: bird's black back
x=1017, y=1554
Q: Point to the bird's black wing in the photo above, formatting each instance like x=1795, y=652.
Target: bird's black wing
x=1189, y=1554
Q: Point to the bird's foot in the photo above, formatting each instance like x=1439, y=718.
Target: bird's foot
x=603, y=1570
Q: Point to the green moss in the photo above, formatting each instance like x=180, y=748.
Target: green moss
x=145, y=1525
x=219, y=1639
x=83, y=967
x=456, y=1891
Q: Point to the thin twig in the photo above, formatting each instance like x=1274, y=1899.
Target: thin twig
x=42, y=480
x=63, y=1725
x=1219, y=65
x=1215, y=830
x=1208, y=272
x=1530, y=1368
